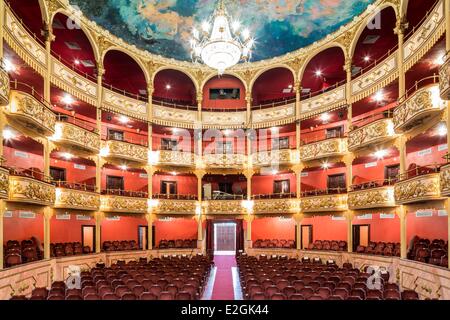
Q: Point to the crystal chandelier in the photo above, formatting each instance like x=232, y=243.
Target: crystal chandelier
x=223, y=46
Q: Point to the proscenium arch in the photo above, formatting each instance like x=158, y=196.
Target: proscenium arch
x=364, y=24
x=136, y=59
x=317, y=52
x=275, y=66
x=86, y=32
x=188, y=74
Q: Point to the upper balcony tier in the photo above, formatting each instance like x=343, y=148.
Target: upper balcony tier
x=276, y=206
x=379, y=131
x=76, y=196
x=417, y=107
x=123, y=204
x=444, y=78
x=30, y=112
x=74, y=135
x=275, y=157
x=324, y=149
x=4, y=183
x=372, y=195
x=30, y=186
x=172, y=158
x=121, y=150
x=445, y=180
x=324, y=203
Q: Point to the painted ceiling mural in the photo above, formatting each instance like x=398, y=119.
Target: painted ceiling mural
x=164, y=27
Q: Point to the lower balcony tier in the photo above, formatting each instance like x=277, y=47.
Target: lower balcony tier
x=121, y=150
x=186, y=207
x=276, y=206
x=29, y=190
x=224, y=206
x=325, y=203
x=121, y=204
x=445, y=180
x=77, y=199
x=381, y=197
x=418, y=189
x=173, y=158
x=324, y=149
x=74, y=136
x=4, y=183
x=444, y=79
x=379, y=131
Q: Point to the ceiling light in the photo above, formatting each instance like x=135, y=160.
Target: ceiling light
x=77, y=62
x=67, y=99
x=442, y=130
x=325, y=117
x=227, y=132
x=104, y=152
x=290, y=86
x=168, y=86
x=366, y=58
x=318, y=73
x=67, y=155
x=325, y=165
x=8, y=65
x=173, y=173
x=123, y=167
x=175, y=130
x=123, y=119
x=379, y=96
x=440, y=60
x=274, y=172
x=236, y=25
x=274, y=129
x=380, y=154
x=8, y=134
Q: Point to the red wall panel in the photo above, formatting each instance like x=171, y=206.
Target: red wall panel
x=273, y=228
x=265, y=184
x=175, y=229
x=325, y=228
x=125, y=229
x=67, y=230
x=381, y=230
x=185, y=184
x=224, y=82
x=132, y=180
x=16, y=228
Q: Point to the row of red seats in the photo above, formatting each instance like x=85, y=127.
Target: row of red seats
x=292, y=279
x=124, y=245
x=68, y=249
x=429, y=251
x=172, y=278
x=275, y=243
x=328, y=245
x=16, y=253
x=388, y=249
x=178, y=244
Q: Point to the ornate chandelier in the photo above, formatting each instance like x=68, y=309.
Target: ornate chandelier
x=224, y=45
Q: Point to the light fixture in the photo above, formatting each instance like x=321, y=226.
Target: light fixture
x=8, y=65
x=77, y=62
x=153, y=157
x=123, y=119
x=67, y=99
x=175, y=130
x=198, y=209
x=274, y=172
x=67, y=155
x=367, y=58
x=248, y=205
x=290, y=86
x=168, y=86
x=227, y=132
x=379, y=96
x=221, y=45
x=442, y=130
x=153, y=203
x=325, y=165
x=274, y=129
x=173, y=173
x=325, y=117
x=123, y=167
x=380, y=154
x=318, y=73
x=104, y=152
x=440, y=60
x=8, y=134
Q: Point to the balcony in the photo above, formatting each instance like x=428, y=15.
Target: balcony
x=372, y=195
x=274, y=157
x=186, y=207
x=31, y=113
x=334, y=147
x=224, y=206
x=417, y=185
x=324, y=201
x=74, y=136
x=76, y=196
x=123, y=201
x=445, y=180
x=276, y=206
x=29, y=186
x=5, y=88
x=444, y=78
x=4, y=183
x=379, y=131
x=224, y=160
x=415, y=109
x=121, y=150
x=175, y=158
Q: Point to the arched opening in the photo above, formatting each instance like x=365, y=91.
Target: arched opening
x=30, y=14
x=72, y=47
x=376, y=41
x=123, y=74
x=324, y=72
x=174, y=87
x=273, y=86
x=416, y=13
x=224, y=93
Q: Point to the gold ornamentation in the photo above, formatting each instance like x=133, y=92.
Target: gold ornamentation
x=4, y=87
x=282, y=206
x=420, y=105
x=178, y=158
x=124, y=105
x=371, y=198
x=4, y=183
x=273, y=116
x=274, y=157
x=325, y=101
x=445, y=180
x=337, y=202
x=224, y=160
x=224, y=120
x=125, y=150
x=370, y=134
x=173, y=117
x=78, y=136
x=123, y=204
x=76, y=199
x=225, y=207
x=444, y=79
x=323, y=149
x=176, y=207
x=418, y=189
x=23, y=189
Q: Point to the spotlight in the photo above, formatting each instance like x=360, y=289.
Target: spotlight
x=366, y=58
x=123, y=167
x=318, y=73
x=168, y=86
x=8, y=65
x=380, y=154
x=67, y=155
x=325, y=165
x=67, y=99
x=104, y=152
x=77, y=62
x=325, y=117
x=379, y=96
x=173, y=173
x=8, y=134
x=439, y=60
x=123, y=119
x=274, y=172
x=442, y=130
x=274, y=129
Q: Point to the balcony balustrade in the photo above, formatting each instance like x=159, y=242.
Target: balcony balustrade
x=275, y=157
x=224, y=160
x=121, y=150
x=324, y=149
x=420, y=184
x=30, y=186
x=445, y=180
x=224, y=206
x=75, y=136
x=175, y=158
x=376, y=194
x=324, y=203
x=125, y=202
x=379, y=131
x=4, y=183
x=76, y=196
x=444, y=78
x=4, y=87
x=183, y=207
x=276, y=206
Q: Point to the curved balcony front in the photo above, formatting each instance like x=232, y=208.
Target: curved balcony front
x=324, y=203
x=224, y=161
x=378, y=197
x=73, y=136
x=323, y=149
x=4, y=183
x=420, y=188
x=27, y=189
x=4, y=87
x=376, y=132
x=123, y=204
x=445, y=180
x=31, y=113
x=121, y=150
x=275, y=157
x=178, y=207
x=174, y=158
x=225, y=207
x=276, y=206
x=76, y=196
x=422, y=104
x=444, y=78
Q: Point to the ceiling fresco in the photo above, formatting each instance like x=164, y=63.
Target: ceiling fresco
x=164, y=27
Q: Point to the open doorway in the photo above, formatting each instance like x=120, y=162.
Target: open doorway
x=361, y=236
x=306, y=236
x=225, y=238
x=88, y=237
x=143, y=240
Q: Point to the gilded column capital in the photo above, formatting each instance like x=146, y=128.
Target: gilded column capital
x=402, y=213
x=349, y=158
x=199, y=97
x=200, y=173
x=248, y=96
x=298, y=217
x=348, y=65
x=151, y=170
x=99, y=216
x=401, y=26
x=349, y=215
x=150, y=89
x=100, y=68
x=249, y=218
x=248, y=173
x=48, y=213
x=298, y=168
x=150, y=217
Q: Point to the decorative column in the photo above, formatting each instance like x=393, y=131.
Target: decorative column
x=99, y=217
x=48, y=214
x=150, y=217
x=400, y=144
x=248, y=173
x=298, y=97
x=199, y=106
x=447, y=46
x=298, y=218
x=150, y=90
x=199, y=174
x=2, y=215
x=447, y=206
x=150, y=172
x=348, y=92
x=248, y=234
x=349, y=217
x=348, y=160
x=49, y=37
x=47, y=150
x=400, y=28
x=200, y=218
x=2, y=126
x=100, y=73
x=2, y=23
x=99, y=163
x=402, y=214
x=248, y=99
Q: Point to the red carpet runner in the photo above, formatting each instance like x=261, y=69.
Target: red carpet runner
x=223, y=284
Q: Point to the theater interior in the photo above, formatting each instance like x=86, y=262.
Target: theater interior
x=144, y=157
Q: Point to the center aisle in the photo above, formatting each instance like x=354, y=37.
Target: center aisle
x=223, y=284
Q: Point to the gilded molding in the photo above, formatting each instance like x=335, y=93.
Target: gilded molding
x=76, y=199
x=177, y=158
x=224, y=120
x=4, y=87
x=375, y=132
x=444, y=79
x=176, y=207
x=445, y=180
x=123, y=204
x=71, y=134
x=273, y=116
x=224, y=160
x=323, y=102
x=418, y=106
x=326, y=203
x=276, y=206
x=274, y=157
x=29, y=109
x=129, y=151
x=224, y=207
x=382, y=197
x=4, y=183
x=421, y=188
x=119, y=103
x=323, y=149
x=23, y=189
x=173, y=117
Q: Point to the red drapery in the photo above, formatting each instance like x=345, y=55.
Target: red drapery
x=210, y=236
x=239, y=235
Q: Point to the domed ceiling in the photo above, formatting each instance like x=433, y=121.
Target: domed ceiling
x=164, y=27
